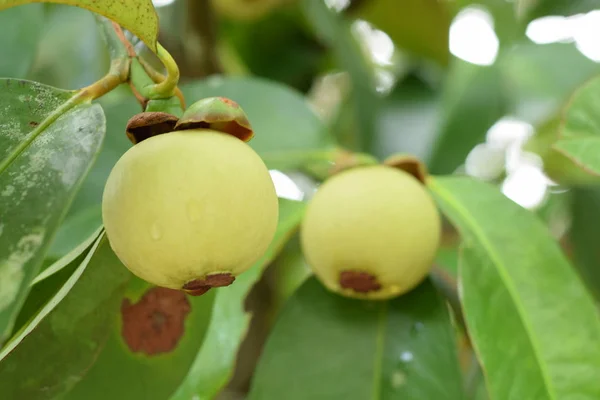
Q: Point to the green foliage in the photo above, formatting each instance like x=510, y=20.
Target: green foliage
x=507, y=312
x=403, y=348
x=44, y=154
x=20, y=28
x=509, y=262
x=71, y=327
x=138, y=16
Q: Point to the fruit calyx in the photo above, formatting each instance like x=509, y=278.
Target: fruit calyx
x=198, y=287
x=149, y=123
x=359, y=281
x=219, y=114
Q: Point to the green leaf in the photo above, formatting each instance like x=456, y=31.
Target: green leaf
x=282, y=119
x=336, y=33
x=20, y=29
x=583, y=152
x=213, y=366
x=420, y=27
x=137, y=16
x=69, y=331
x=325, y=346
x=75, y=229
x=581, y=115
x=533, y=324
x=154, y=338
x=44, y=156
x=584, y=234
x=474, y=99
x=49, y=281
x=531, y=9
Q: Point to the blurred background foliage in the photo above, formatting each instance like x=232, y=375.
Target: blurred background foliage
x=459, y=83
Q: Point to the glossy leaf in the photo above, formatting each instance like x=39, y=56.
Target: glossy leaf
x=531, y=9
x=282, y=119
x=474, y=99
x=20, y=29
x=581, y=117
x=420, y=27
x=533, y=324
x=137, y=16
x=50, y=280
x=74, y=230
x=229, y=323
x=584, y=152
x=69, y=331
x=325, y=346
x=163, y=336
x=336, y=33
x=584, y=233
x=41, y=166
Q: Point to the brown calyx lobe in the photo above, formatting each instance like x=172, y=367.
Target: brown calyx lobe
x=156, y=323
x=359, y=281
x=198, y=287
x=150, y=123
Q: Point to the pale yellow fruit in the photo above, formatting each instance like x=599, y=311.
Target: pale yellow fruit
x=374, y=221
x=181, y=206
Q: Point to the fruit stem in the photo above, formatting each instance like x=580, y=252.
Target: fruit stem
x=118, y=74
x=167, y=87
x=157, y=77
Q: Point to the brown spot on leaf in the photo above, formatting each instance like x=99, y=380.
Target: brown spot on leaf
x=33, y=124
x=198, y=287
x=155, y=324
x=361, y=282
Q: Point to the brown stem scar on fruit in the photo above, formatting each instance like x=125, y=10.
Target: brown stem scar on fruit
x=147, y=124
x=155, y=324
x=361, y=282
x=198, y=287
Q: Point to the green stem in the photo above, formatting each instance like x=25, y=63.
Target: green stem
x=166, y=88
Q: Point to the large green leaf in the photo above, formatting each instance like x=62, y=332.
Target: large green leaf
x=51, y=279
x=419, y=26
x=229, y=323
x=57, y=347
x=137, y=16
x=154, y=338
x=282, y=119
x=533, y=324
x=531, y=9
x=584, y=234
x=336, y=33
x=573, y=141
x=325, y=346
x=20, y=29
x=474, y=99
x=44, y=156
x=73, y=231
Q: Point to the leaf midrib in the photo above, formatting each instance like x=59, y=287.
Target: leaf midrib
x=479, y=235
x=379, y=348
